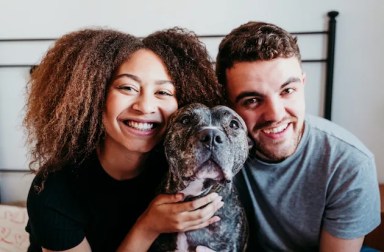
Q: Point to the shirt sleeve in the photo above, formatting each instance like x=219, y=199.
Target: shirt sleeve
x=353, y=200
x=55, y=216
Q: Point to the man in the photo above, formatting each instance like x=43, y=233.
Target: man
x=308, y=184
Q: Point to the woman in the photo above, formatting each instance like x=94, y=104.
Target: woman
x=97, y=110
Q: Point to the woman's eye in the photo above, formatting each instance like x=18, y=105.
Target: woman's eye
x=128, y=88
x=234, y=124
x=164, y=92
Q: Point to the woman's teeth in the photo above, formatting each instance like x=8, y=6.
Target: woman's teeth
x=140, y=126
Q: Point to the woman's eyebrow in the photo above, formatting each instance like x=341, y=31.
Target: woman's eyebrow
x=131, y=76
x=137, y=79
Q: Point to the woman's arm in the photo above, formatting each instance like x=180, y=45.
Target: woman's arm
x=82, y=247
x=167, y=214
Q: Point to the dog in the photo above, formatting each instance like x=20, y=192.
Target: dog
x=205, y=148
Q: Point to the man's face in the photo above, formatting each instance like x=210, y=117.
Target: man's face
x=269, y=95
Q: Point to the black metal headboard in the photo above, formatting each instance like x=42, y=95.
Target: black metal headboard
x=328, y=61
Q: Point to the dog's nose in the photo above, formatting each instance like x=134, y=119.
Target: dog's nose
x=211, y=137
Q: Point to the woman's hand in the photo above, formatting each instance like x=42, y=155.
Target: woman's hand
x=167, y=214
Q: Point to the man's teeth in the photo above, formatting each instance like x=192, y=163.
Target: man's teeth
x=276, y=130
x=140, y=126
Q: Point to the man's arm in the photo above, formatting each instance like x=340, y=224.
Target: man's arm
x=330, y=243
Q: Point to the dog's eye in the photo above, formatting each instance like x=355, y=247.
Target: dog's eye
x=234, y=124
x=185, y=120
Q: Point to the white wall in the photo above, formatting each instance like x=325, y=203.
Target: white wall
x=357, y=104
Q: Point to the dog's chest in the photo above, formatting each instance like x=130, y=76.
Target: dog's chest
x=195, y=188
x=181, y=242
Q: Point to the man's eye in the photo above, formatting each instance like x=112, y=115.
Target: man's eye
x=288, y=91
x=249, y=102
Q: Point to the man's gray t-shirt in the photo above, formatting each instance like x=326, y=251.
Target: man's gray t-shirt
x=330, y=182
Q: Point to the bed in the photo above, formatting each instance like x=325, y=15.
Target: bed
x=13, y=237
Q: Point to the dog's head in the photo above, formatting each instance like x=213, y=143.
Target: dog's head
x=205, y=145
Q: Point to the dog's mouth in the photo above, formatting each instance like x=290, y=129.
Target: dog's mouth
x=210, y=170
x=209, y=176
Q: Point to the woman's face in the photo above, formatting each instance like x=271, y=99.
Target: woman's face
x=139, y=102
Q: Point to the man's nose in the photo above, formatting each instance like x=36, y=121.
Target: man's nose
x=274, y=110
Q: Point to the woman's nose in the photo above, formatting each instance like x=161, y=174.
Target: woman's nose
x=145, y=104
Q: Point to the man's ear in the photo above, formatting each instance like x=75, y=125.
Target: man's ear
x=304, y=76
x=250, y=143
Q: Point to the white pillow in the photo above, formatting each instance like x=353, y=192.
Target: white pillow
x=13, y=237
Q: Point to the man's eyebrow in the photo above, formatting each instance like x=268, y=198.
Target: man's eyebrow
x=246, y=94
x=290, y=80
x=137, y=79
x=257, y=94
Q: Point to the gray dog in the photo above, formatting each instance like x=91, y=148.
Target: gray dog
x=205, y=148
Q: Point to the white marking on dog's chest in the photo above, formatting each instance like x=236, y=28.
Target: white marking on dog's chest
x=181, y=242
x=195, y=188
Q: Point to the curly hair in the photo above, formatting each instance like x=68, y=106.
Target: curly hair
x=68, y=89
x=66, y=96
x=254, y=41
x=189, y=65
